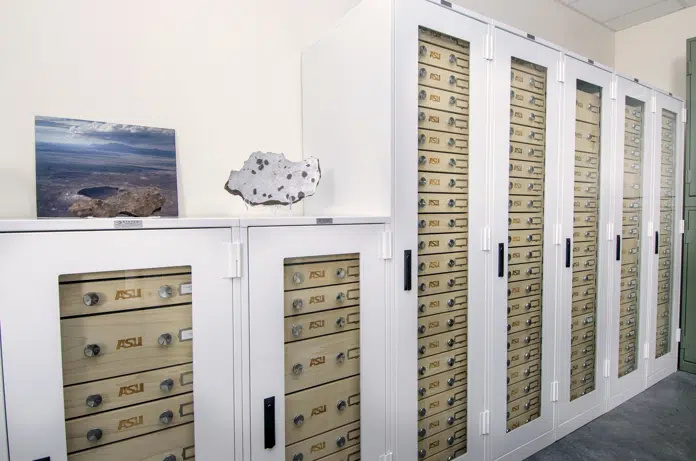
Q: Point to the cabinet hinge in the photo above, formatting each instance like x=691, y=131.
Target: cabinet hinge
x=685, y=114
x=607, y=368
x=554, y=391
x=234, y=261
x=385, y=245
x=489, y=47
x=653, y=103
x=610, y=232
x=650, y=229
x=613, y=88
x=559, y=234
x=561, y=70
x=682, y=225
x=646, y=350
x=688, y=67
x=485, y=422
x=386, y=457
x=486, y=239
x=677, y=335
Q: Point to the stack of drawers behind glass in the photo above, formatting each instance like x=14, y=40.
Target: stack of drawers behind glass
x=525, y=242
x=127, y=364
x=322, y=357
x=631, y=236
x=585, y=230
x=443, y=165
x=666, y=245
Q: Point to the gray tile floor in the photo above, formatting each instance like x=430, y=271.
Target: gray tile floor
x=656, y=425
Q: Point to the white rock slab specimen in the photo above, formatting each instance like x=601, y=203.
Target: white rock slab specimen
x=267, y=178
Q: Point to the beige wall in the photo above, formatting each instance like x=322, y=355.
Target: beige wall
x=655, y=51
x=225, y=74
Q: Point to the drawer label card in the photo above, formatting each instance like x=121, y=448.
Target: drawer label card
x=186, y=334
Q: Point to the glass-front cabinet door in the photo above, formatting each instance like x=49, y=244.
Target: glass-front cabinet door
x=583, y=310
x=525, y=215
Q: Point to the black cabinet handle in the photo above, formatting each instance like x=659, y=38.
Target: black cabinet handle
x=657, y=242
x=269, y=439
x=501, y=260
x=407, y=270
x=567, y=252
x=618, y=248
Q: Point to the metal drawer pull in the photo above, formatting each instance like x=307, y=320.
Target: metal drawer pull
x=93, y=401
x=94, y=435
x=166, y=417
x=164, y=339
x=296, y=330
x=297, y=369
x=298, y=420
x=165, y=291
x=92, y=350
x=90, y=299
x=167, y=385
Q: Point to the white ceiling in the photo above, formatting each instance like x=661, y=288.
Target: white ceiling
x=622, y=14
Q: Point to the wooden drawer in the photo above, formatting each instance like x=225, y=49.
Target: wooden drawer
x=438, y=162
x=531, y=135
x=632, y=166
x=125, y=343
x=523, y=338
x=443, y=57
x=524, y=288
x=325, y=444
x=581, y=279
x=584, y=249
x=442, y=203
x=582, y=379
x=442, y=386
x=582, y=321
x=530, y=254
x=177, y=441
x=633, y=113
x=528, y=67
x=524, y=169
x=626, y=369
x=442, y=401
x=582, y=365
x=587, y=137
x=523, y=388
x=587, y=107
x=628, y=308
x=627, y=346
x=581, y=391
x=320, y=299
x=442, y=182
x=438, y=223
x=584, y=263
x=632, y=140
x=526, y=81
x=311, y=412
x=85, y=294
x=321, y=323
x=445, y=41
x=583, y=335
x=446, y=302
x=586, y=175
x=448, y=80
x=442, y=263
x=441, y=243
x=442, y=441
x=433, y=119
x=110, y=394
x=440, y=323
x=523, y=305
x=523, y=238
x=584, y=234
x=523, y=203
x=299, y=276
x=442, y=421
x=585, y=189
x=100, y=429
x=524, y=371
x=527, y=99
x=435, y=364
x=628, y=321
x=585, y=219
x=442, y=283
x=627, y=334
x=523, y=355
x=526, y=186
x=523, y=419
x=523, y=405
x=320, y=360
x=629, y=269
x=584, y=293
x=580, y=351
x=522, y=322
x=628, y=283
x=436, y=98
x=586, y=160
x=632, y=153
x=522, y=221
x=527, y=117
x=527, y=152
x=632, y=231
x=443, y=142
x=519, y=272
x=632, y=126
x=583, y=306
x=438, y=344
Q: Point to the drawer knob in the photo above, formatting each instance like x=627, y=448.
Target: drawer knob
x=422, y=453
x=451, y=203
x=422, y=181
x=92, y=350
x=421, y=392
x=93, y=401
x=450, y=401
x=450, y=322
x=340, y=357
x=527, y=405
x=451, y=243
x=341, y=442
x=297, y=304
x=422, y=73
x=452, y=100
x=167, y=385
x=341, y=405
x=421, y=116
x=451, y=142
x=421, y=432
x=298, y=457
x=422, y=159
x=421, y=412
x=421, y=308
x=421, y=267
x=451, y=381
x=452, y=183
x=452, y=80
x=422, y=50
x=422, y=95
x=421, y=350
x=450, y=420
x=527, y=356
x=94, y=435
x=450, y=302
x=298, y=420
x=422, y=287
x=451, y=361
x=296, y=330
x=452, y=162
x=451, y=283
x=526, y=389
x=421, y=245
x=452, y=223
x=340, y=297
x=165, y=291
x=421, y=371
x=340, y=322
x=450, y=440
x=450, y=342
x=527, y=339
x=451, y=122
x=297, y=368
x=297, y=278
x=90, y=299
x=421, y=139
x=340, y=273
x=166, y=417
x=526, y=372
x=452, y=59
x=169, y=458
x=421, y=203
x=164, y=339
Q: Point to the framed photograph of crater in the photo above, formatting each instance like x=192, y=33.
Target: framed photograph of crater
x=101, y=169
